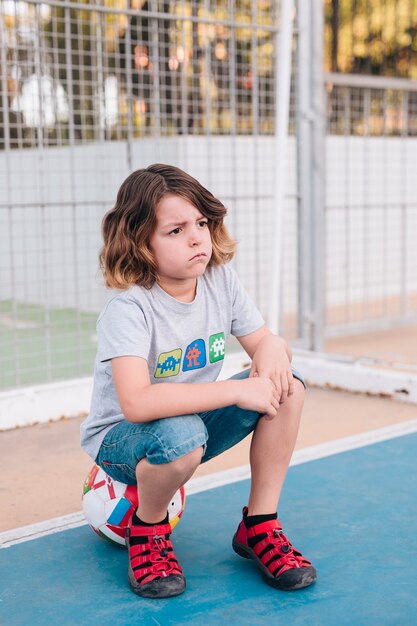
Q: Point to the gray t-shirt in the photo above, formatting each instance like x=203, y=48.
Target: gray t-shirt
x=182, y=342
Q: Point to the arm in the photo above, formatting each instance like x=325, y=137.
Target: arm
x=271, y=358
x=251, y=342
x=142, y=401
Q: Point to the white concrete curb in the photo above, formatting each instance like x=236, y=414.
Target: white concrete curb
x=54, y=401
x=350, y=374
x=70, y=398
x=50, y=402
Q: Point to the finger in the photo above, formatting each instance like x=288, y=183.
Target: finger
x=262, y=373
x=275, y=404
x=253, y=372
x=274, y=408
x=278, y=389
x=275, y=397
x=284, y=386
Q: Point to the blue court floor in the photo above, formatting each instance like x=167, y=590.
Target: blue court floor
x=354, y=514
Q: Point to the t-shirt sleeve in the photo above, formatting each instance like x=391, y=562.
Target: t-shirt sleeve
x=122, y=330
x=246, y=318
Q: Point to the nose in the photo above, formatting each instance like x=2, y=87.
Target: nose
x=195, y=237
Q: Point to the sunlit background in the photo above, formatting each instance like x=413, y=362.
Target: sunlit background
x=51, y=58
x=91, y=90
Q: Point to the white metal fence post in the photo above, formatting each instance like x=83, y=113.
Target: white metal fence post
x=310, y=157
x=282, y=101
x=318, y=282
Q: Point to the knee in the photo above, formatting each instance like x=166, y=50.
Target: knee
x=187, y=464
x=180, y=470
x=294, y=403
x=299, y=389
x=298, y=396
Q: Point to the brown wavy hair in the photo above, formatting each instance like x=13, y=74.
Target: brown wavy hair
x=126, y=258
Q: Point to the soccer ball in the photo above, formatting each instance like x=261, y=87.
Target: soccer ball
x=108, y=505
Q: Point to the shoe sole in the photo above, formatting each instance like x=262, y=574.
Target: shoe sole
x=168, y=587
x=308, y=574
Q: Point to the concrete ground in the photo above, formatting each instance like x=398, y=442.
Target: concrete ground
x=43, y=468
x=394, y=348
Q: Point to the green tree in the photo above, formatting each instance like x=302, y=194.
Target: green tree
x=371, y=37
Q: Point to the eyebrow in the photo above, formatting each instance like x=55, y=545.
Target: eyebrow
x=176, y=224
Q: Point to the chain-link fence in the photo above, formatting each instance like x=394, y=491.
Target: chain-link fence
x=91, y=91
x=371, y=205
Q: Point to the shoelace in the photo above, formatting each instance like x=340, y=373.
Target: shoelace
x=280, y=541
x=159, y=556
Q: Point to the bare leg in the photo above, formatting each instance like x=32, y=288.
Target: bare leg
x=158, y=483
x=272, y=446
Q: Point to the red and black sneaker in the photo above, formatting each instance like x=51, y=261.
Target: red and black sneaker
x=281, y=565
x=154, y=571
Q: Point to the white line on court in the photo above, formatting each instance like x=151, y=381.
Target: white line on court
x=66, y=522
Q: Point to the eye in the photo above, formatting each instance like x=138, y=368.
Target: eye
x=175, y=231
x=203, y=223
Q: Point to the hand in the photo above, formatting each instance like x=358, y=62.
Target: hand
x=258, y=394
x=272, y=360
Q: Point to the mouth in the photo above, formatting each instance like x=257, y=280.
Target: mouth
x=200, y=255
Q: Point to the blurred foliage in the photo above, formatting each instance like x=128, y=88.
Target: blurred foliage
x=371, y=37
x=150, y=67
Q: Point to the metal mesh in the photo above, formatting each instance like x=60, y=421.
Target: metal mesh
x=371, y=208
x=92, y=91
x=155, y=68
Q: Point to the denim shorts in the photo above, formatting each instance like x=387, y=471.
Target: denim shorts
x=167, y=439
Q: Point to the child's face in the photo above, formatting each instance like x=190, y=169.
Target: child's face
x=181, y=242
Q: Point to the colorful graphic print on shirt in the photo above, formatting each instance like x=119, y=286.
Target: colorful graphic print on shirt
x=195, y=356
x=168, y=363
